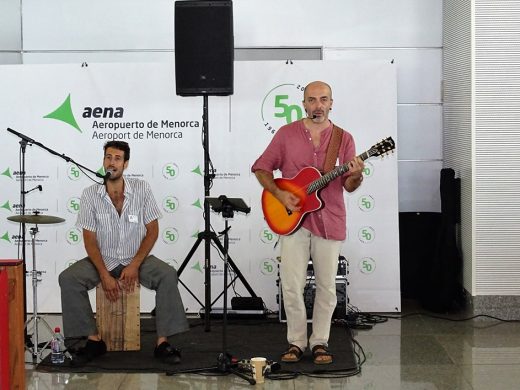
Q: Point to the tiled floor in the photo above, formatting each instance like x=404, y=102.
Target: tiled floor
x=415, y=352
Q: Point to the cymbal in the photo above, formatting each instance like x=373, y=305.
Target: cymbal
x=36, y=219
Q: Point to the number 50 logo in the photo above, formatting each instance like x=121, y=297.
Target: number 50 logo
x=73, y=172
x=366, y=203
x=268, y=267
x=267, y=236
x=73, y=236
x=367, y=265
x=170, y=235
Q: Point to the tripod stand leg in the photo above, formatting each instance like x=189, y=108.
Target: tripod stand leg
x=217, y=369
x=193, y=295
x=35, y=349
x=190, y=255
x=206, y=236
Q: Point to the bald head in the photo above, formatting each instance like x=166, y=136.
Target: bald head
x=317, y=85
x=317, y=101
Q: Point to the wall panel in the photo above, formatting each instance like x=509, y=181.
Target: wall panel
x=419, y=71
x=10, y=25
x=419, y=186
x=420, y=132
x=140, y=24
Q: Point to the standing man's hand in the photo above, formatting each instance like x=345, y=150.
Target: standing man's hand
x=288, y=199
x=356, y=167
x=355, y=178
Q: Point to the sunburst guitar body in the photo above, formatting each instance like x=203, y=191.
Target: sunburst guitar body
x=305, y=185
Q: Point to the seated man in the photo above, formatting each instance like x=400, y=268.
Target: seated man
x=119, y=222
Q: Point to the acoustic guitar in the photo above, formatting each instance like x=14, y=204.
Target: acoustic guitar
x=305, y=185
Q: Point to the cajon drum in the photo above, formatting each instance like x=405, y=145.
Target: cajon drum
x=118, y=322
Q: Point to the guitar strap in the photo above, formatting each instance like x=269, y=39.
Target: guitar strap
x=333, y=149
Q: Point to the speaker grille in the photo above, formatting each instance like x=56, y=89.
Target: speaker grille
x=204, y=48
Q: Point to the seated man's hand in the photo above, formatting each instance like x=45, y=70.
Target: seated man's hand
x=129, y=277
x=111, y=287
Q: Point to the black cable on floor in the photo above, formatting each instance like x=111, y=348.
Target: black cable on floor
x=447, y=318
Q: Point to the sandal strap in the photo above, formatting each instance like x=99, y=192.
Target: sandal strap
x=294, y=350
x=318, y=354
x=325, y=351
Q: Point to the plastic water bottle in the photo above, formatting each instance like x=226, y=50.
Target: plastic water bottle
x=57, y=346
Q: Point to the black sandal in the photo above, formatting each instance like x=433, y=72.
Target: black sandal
x=319, y=351
x=293, y=350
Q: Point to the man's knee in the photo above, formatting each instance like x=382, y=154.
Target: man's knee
x=65, y=277
x=170, y=275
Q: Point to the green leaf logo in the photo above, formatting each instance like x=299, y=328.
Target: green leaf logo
x=7, y=173
x=197, y=267
x=64, y=113
x=197, y=170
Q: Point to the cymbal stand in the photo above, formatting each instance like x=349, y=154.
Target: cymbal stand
x=36, y=318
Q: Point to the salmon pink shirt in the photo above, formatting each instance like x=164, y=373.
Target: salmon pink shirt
x=291, y=150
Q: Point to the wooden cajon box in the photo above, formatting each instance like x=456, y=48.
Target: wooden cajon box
x=118, y=322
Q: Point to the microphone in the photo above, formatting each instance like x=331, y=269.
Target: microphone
x=108, y=173
x=38, y=187
x=272, y=367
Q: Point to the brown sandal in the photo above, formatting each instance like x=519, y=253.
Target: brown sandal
x=292, y=355
x=319, y=351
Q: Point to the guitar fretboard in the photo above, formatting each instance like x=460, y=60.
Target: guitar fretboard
x=336, y=172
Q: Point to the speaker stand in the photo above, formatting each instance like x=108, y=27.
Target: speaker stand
x=208, y=236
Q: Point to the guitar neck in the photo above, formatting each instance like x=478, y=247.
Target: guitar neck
x=328, y=177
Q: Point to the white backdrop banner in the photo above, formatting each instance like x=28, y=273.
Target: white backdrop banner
x=75, y=109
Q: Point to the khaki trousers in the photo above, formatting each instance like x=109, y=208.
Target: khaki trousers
x=296, y=251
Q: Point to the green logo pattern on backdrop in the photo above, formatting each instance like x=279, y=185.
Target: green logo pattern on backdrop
x=6, y=206
x=73, y=236
x=281, y=106
x=64, y=113
x=5, y=237
x=170, y=235
x=7, y=173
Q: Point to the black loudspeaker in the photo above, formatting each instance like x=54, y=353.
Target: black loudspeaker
x=418, y=236
x=204, y=48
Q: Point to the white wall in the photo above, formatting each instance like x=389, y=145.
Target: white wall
x=407, y=31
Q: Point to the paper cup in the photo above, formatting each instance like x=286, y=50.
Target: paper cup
x=258, y=365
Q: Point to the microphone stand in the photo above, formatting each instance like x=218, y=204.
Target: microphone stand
x=62, y=155
x=23, y=144
x=224, y=364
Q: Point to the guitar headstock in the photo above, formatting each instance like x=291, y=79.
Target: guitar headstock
x=382, y=148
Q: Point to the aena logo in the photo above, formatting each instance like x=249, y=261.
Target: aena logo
x=64, y=113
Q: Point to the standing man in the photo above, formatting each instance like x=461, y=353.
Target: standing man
x=119, y=222
x=295, y=146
